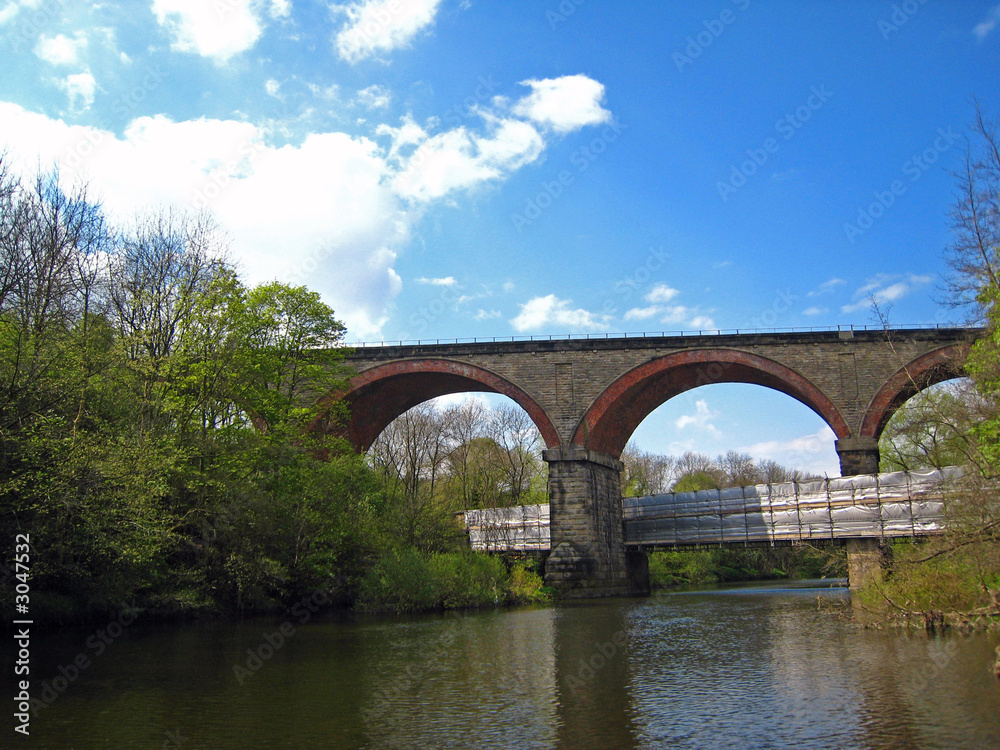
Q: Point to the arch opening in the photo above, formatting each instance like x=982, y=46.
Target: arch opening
x=922, y=373
x=382, y=393
x=727, y=435
x=618, y=411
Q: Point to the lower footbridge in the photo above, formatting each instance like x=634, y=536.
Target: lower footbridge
x=862, y=511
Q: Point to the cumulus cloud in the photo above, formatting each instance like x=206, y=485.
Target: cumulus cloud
x=563, y=104
x=13, y=7
x=379, y=26
x=826, y=287
x=280, y=8
x=80, y=88
x=374, y=97
x=813, y=453
x=210, y=29
x=701, y=419
x=884, y=288
x=446, y=281
x=985, y=27
x=548, y=311
x=660, y=294
x=459, y=159
x=60, y=49
x=337, y=228
x=810, y=311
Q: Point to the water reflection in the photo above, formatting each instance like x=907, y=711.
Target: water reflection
x=750, y=667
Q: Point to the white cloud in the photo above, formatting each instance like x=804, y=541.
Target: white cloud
x=701, y=419
x=486, y=314
x=884, y=288
x=564, y=104
x=691, y=317
x=459, y=159
x=661, y=293
x=548, y=311
x=813, y=453
x=80, y=88
x=446, y=281
x=273, y=88
x=374, y=97
x=643, y=313
x=826, y=287
x=12, y=8
x=379, y=26
x=280, y=8
x=810, y=311
x=986, y=26
x=336, y=230
x=61, y=49
x=218, y=30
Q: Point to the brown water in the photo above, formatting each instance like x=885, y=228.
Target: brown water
x=749, y=667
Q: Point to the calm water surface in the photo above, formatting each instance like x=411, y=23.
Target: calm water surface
x=756, y=666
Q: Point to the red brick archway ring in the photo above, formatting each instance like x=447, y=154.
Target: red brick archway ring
x=923, y=372
x=380, y=394
x=617, y=412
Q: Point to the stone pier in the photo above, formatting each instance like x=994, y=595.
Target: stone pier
x=867, y=561
x=858, y=455
x=588, y=557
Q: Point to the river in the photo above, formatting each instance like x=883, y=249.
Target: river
x=749, y=666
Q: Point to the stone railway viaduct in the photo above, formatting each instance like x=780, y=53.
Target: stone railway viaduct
x=588, y=395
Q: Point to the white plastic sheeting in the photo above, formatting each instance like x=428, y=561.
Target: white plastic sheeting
x=522, y=527
x=868, y=505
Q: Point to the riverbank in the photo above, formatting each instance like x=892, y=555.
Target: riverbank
x=670, y=569
x=935, y=585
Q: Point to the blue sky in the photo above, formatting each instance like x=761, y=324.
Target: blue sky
x=443, y=168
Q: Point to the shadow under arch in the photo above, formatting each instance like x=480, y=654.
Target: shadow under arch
x=378, y=395
x=610, y=421
x=926, y=370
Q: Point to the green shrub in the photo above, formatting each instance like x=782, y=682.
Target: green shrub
x=526, y=585
x=401, y=581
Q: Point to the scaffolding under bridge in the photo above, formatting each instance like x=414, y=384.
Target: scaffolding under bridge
x=867, y=506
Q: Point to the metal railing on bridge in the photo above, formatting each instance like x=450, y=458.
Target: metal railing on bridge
x=639, y=335
x=898, y=504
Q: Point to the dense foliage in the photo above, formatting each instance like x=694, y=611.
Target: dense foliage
x=958, y=422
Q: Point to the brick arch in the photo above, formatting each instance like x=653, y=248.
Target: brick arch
x=378, y=395
x=926, y=370
x=610, y=421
